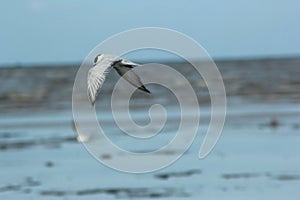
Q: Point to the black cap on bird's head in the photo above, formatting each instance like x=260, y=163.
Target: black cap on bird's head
x=97, y=58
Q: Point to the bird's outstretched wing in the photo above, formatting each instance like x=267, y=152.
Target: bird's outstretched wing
x=103, y=65
x=96, y=77
x=124, y=69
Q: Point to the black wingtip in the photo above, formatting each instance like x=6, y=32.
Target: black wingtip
x=92, y=102
x=143, y=88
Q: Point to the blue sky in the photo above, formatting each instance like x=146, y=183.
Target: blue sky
x=42, y=31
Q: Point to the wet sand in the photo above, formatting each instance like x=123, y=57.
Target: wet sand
x=257, y=156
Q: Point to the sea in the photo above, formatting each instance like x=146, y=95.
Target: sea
x=256, y=157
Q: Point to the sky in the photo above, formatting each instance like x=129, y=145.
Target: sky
x=62, y=31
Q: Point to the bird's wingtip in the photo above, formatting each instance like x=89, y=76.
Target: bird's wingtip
x=143, y=88
x=91, y=99
x=148, y=91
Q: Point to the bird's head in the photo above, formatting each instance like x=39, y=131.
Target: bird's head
x=107, y=58
x=98, y=58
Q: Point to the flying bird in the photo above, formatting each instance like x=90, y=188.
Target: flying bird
x=103, y=63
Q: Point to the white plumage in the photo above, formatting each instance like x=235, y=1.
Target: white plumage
x=103, y=63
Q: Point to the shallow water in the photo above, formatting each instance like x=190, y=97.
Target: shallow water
x=257, y=156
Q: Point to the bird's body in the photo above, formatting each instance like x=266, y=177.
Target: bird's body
x=103, y=63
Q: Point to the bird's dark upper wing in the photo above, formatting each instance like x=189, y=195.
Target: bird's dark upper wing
x=124, y=69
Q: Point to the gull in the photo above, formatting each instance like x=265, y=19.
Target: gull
x=103, y=63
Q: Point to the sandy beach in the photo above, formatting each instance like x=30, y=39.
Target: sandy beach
x=257, y=156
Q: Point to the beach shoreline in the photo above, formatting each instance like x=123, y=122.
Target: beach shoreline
x=256, y=157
